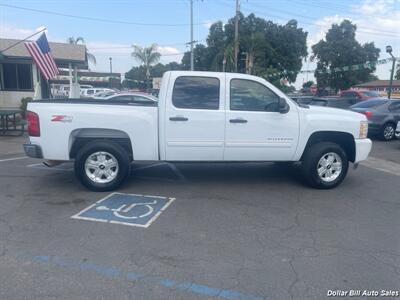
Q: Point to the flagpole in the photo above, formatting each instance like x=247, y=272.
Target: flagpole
x=20, y=41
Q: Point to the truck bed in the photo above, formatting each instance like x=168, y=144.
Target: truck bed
x=63, y=121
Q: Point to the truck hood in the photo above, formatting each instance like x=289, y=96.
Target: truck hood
x=335, y=113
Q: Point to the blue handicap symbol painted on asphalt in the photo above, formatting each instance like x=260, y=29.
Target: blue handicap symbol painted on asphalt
x=126, y=209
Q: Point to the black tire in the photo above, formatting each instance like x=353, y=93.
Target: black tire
x=109, y=147
x=311, y=160
x=388, y=132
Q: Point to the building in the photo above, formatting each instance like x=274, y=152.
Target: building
x=19, y=76
x=380, y=86
x=88, y=78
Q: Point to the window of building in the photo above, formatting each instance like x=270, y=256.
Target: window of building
x=16, y=77
x=248, y=95
x=194, y=92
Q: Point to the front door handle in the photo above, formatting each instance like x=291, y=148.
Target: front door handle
x=178, y=118
x=238, y=120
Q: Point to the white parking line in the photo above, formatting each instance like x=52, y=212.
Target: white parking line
x=14, y=158
x=41, y=166
x=177, y=172
x=382, y=165
x=150, y=166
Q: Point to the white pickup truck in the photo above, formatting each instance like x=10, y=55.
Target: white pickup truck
x=200, y=116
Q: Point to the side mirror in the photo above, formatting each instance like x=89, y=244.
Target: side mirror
x=283, y=106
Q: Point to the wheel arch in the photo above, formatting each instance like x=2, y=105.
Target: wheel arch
x=80, y=137
x=343, y=139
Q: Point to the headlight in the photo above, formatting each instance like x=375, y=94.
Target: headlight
x=363, y=129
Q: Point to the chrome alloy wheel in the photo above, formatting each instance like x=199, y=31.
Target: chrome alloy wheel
x=101, y=167
x=329, y=167
x=388, y=132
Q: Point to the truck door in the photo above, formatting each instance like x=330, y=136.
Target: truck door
x=255, y=129
x=195, y=118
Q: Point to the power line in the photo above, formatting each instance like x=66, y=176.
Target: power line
x=367, y=30
x=128, y=54
x=307, y=17
x=376, y=33
x=130, y=47
x=87, y=18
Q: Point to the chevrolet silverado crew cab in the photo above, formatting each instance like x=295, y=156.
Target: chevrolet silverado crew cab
x=200, y=116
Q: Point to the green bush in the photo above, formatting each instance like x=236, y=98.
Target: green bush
x=24, y=104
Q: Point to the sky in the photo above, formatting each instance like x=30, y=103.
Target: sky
x=110, y=27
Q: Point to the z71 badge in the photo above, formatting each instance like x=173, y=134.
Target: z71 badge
x=61, y=118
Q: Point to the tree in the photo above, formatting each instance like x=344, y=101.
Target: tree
x=71, y=40
x=201, y=59
x=341, y=49
x=308, y=84
x=264, y=46
x=146, y=56
x=397, y=76
x=136, y=77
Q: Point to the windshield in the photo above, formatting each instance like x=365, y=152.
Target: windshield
x=369, y=103
x=371, y=94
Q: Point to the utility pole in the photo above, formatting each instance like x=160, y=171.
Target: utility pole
x=191, y=37
x=236, y=54
x=389, y=50
x=110, y=80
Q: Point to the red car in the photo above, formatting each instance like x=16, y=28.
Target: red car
x=360, y=95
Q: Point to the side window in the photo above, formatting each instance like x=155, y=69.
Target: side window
x=250, y=95
x=395, y=107
x=196, y=92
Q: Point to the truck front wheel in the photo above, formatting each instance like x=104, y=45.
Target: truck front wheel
x=325, y=165
x=102, y=165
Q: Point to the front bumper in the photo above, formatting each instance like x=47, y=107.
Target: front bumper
x=363, y=148
x=33, y=151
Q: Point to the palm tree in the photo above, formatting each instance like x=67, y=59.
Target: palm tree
x=146, y=56
x=79, y=39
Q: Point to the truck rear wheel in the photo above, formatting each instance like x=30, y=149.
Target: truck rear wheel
x=325, y=165
x=102, y=165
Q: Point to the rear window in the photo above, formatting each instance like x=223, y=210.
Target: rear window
x=349, y=94
x=318, y=103
x=193, y=92
x=369, y=103
x=370, y=94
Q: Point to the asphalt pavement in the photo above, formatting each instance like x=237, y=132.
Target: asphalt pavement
x=233, y=231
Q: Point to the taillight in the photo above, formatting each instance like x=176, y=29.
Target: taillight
x=33, y=123
x=368, y=114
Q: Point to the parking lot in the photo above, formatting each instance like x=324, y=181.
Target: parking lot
x=233, y=231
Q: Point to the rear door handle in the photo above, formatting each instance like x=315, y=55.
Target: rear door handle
x=238, y=120
x=178, y=118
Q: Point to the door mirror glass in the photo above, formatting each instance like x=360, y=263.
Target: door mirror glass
x=283, y=106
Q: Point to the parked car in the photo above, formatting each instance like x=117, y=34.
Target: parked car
x=131, y=97
x=359, y=95
x=89, y=93
x=104, y=94
x=335, y=102
x=383, y=116
x=200, y=116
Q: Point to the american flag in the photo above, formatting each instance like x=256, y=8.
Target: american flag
x=40, y=52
